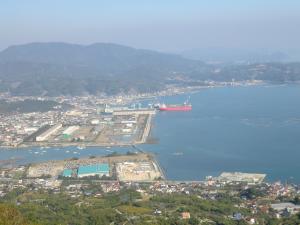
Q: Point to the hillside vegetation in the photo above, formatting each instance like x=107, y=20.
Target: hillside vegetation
x=66, y=69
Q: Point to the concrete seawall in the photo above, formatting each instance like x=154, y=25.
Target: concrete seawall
x=146, y=131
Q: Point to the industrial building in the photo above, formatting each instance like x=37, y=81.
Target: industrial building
x=93, y=170
x=285, y=208
x=45, y=135
x=134, y=111
x=67, y=173
x=137, y=171
x=242, y=177
x=70, y=130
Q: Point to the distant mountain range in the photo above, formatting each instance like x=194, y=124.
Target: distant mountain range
x=236, y=55
x=68, y=69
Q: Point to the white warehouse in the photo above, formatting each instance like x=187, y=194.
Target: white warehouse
x=49, y=132
x=70, y=130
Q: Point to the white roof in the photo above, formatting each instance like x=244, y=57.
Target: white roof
x=284, y=205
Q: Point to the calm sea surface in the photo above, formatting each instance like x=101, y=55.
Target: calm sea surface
x=247, y=129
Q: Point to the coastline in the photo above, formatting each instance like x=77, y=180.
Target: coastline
x=133, y=99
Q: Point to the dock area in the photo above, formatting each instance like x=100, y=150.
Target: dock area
x=122, y=127
x=129, y=167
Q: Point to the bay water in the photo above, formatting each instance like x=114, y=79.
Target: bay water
x=247, y=129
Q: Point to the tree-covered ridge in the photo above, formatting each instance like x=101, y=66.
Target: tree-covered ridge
x=125, y=207
x=10, y=215
x=27, y=106
x=65, y=69
x=59, y=68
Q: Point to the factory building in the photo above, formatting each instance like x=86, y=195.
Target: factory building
x=95, y=121
x=128, y=121
x=67, y=173
x=252, y=178
x=93, y=170
x=70, y=130
x=46, y=134
x=129, y=112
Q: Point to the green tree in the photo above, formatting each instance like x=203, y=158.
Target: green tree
x=9, y=215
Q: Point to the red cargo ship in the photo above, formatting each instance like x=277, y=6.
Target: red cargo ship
x=184, y=107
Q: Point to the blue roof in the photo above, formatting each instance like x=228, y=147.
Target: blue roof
x=67, y=173
x=95, y=168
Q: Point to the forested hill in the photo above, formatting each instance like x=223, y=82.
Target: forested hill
x=104, y=57
x=60, y=68
x=69, y=69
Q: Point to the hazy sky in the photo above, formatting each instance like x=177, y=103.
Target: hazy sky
x=167, y=25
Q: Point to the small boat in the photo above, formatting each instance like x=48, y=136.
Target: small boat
x=177, y=153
